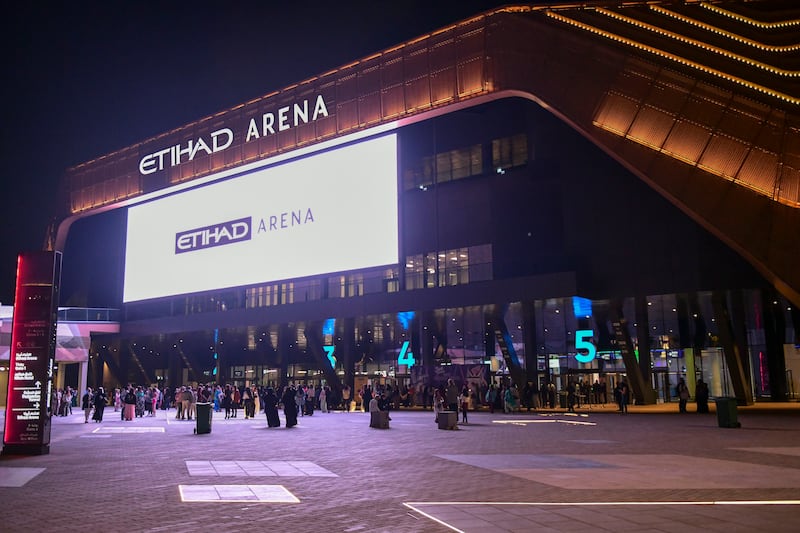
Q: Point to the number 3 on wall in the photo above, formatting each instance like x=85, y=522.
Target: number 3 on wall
x=582, y=342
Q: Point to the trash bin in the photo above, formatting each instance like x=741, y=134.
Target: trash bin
x=448, y=419
x=379, y=419
x=203, y=416
x=562, y=399
x=727, y=412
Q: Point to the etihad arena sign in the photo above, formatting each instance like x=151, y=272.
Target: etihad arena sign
x=269, y=123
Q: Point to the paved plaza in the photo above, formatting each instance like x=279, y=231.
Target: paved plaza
x=651, y=470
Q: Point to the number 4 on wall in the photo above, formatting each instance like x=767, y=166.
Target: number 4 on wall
x=405, y=357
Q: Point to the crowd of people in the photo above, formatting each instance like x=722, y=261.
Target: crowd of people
x=140, y=401
x=298, y=400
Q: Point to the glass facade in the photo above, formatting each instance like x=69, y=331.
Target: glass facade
x=508, y=267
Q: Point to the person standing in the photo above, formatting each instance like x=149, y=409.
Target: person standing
x=191, y=394
x=491, y=396
x=271, y=408
x=323, y=399
x=256, y=401
x=139, y=402
x=621, y=393
x=451, y=395
x=218, y=396
x=571, y=397
x=68, y=401
x=290, y=407
x=683, y=395
x=237, y=401
x=129, y=405
x=86, y=404
x=300, y=400
x=100, y=401
x=701, y=396
x=346, y=398
x=463, y=401
x=247, y=399
x=311, y=399
x=438, y=404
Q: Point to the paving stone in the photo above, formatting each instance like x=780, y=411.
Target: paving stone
x=349, y=477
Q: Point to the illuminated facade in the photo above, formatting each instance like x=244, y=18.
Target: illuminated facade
x=642, y=158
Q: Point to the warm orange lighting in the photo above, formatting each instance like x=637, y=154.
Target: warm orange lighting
x=748, y=20
x=699, y=44
x=724, y=33
x=675, y=58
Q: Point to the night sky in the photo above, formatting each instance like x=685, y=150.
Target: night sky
x=83, y=79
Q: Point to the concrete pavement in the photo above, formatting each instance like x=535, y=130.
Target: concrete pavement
x=651, y=470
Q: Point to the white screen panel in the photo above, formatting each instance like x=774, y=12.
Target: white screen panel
x=329, y=212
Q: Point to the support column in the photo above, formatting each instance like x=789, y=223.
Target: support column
x=497, y=323
x=731, y=348
x=740, y=333
x=530, y=340
x=426, y=324
x=348, y=344
x=645, y=343
x=284, y=339
x=642, y=390
x=774, y=337
x=314, y=345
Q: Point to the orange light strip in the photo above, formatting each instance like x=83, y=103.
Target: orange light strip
x=695, y=163
x=748, y=20
x=677, y=59
x=719, y=31
x=699, y=44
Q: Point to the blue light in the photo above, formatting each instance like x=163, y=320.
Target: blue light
x=329, y=326
x=329, y=352
x=405, y=357
x=582, y=307
x=405, y=318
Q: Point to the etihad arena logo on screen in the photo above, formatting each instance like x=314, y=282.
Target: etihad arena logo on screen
x=216, y=235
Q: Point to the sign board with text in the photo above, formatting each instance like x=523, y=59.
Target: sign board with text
x=32, y=358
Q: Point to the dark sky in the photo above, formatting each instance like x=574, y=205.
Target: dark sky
x=85, y=78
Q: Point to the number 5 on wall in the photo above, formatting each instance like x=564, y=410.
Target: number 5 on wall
x=583, y=342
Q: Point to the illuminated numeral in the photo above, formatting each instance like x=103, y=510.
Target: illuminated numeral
x=329, y=352
x=405, y=357
x=583, y=342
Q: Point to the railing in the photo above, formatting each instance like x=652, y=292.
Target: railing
x=88, y=314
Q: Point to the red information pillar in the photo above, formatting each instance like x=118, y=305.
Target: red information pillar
x=33, y=349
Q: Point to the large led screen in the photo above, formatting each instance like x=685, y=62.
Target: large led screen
x=330, y=212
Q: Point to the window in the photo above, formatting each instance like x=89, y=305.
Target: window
x=510, y=152
x=449, y=267
x=451, y=165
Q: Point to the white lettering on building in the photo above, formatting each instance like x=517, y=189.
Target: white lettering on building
x=175, y=155
x=284, y=118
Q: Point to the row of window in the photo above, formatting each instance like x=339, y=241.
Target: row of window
x=507, y=152
x=449, y=267
x=433, y=269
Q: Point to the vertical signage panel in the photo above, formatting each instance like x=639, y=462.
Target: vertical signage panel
x=33, y=344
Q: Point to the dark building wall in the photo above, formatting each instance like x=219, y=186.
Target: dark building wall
x=94, y=261
x=572, y=207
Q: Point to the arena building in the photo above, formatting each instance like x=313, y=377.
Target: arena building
x=549, y=194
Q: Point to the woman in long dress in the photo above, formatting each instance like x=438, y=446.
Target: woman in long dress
x=271, y=408
x=129, y=401
x=100, y=401
x=290, y=407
